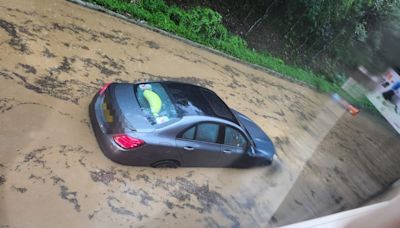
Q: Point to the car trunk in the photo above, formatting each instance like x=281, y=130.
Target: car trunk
x=121, y=110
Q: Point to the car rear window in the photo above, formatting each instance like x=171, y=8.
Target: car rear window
x=155, y=103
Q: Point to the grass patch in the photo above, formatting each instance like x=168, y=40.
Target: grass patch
x=204, y=26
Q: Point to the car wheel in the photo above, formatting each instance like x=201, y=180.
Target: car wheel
x=166, y=164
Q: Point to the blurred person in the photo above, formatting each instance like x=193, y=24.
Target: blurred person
x=393, y=95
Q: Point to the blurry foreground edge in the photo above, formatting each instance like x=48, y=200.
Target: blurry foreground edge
x=383, y=215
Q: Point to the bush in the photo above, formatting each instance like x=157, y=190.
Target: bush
x=202, y=21
x=154, y=6
x=204, y=26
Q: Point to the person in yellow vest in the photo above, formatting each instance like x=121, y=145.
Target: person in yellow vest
x=154, y=101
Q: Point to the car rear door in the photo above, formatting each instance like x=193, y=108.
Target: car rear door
x=200, y=145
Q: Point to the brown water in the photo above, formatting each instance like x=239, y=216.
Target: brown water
x=56, y=55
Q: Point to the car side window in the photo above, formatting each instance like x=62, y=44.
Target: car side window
x=234, y=138
x=189, y=134
x=207, y=132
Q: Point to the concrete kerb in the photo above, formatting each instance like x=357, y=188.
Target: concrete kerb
x=197, y=45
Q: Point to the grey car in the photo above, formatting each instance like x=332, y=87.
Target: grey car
x=172, y=124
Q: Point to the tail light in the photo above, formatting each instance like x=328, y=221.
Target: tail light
x=104, y=88
x=127, y=142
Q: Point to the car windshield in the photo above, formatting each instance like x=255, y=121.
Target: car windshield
x=155, y=103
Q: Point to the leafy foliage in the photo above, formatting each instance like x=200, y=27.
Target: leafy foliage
x=347, y=32
x=204, y=26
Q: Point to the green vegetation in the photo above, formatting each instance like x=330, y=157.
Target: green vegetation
x=204, y=26
x=343, y=34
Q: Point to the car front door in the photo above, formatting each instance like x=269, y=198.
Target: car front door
x=199, y=145
x=234, y=147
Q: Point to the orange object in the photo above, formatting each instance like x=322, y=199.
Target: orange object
x=353, y=111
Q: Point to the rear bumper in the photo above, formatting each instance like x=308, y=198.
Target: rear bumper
x=107, y=145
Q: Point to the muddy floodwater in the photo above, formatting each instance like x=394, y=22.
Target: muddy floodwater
x=55, y=55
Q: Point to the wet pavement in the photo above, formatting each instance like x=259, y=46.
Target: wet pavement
x=54, y=57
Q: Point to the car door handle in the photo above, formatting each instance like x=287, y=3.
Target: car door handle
x=227, y=151
x=188, y=148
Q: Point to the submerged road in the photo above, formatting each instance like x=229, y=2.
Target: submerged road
x=54, y=57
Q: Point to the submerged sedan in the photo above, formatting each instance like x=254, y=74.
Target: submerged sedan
x=172, y=124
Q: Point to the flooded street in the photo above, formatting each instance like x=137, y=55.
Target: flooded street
x=55, y=55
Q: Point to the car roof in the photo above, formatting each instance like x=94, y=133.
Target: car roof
x=208, y=102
